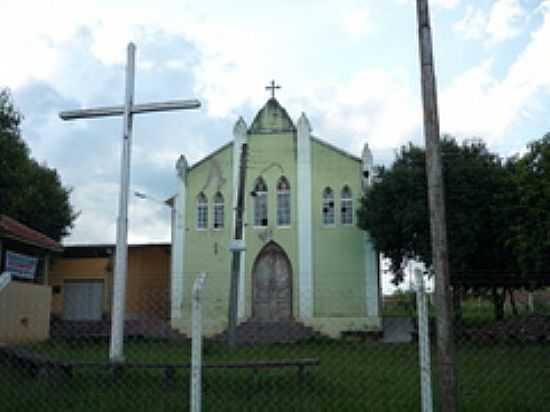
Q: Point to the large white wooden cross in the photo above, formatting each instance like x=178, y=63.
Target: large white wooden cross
x=116, y=353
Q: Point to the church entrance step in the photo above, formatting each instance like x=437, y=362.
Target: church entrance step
x=256, y=332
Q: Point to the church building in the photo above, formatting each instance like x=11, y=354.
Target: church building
x=305, y=259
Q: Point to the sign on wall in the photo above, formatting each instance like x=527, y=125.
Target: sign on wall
x=20, y=265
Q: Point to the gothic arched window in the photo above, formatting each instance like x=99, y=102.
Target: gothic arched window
x=218, y=211
x=283, y=202
x=328, y=207
x=202, y=211
x=260, y=202
x=346, y=206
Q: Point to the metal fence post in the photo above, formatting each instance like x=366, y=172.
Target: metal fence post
x=196, y=345
x=423, y=344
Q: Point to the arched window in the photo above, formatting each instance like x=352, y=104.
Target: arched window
x=218, y=211
x=202, y=211
x=328, y=207
x=283, y=202
x=260, y=202
x=346, y=206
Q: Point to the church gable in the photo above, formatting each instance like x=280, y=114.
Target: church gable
x=272, y=118
x=301, y=194
x=334, y=150
x=209, y=179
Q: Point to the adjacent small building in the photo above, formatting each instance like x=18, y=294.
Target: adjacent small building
x=82, y=282
x=25, y=298
x=24, y=252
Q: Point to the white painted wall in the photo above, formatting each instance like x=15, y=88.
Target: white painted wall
x=372, y=292
x=239, y=137
x=177, y=276
x=305, y=256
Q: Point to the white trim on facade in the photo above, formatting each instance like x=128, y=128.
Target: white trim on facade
x=283, y=206
x=372, y=281
x=177, y=275
x=304, y=220
x=346, y=201
x=239, y=137
x=201, y=212
x=371, y=256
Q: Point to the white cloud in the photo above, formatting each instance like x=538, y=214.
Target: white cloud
x=505, y=20
x=374, y=105
x=477, y=103
x=473, y=24
x=357, y=21
x=87, y=152
x=148, y=221
x=447, y=4
x=71, y=54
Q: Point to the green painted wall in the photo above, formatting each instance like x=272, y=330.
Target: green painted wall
x=339, y=271
x=339, y=274
x=271, y=156
x=206, y=250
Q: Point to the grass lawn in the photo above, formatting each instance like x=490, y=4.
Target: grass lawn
x=352, y=376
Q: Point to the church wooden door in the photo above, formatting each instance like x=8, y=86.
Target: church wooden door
x=271, y=293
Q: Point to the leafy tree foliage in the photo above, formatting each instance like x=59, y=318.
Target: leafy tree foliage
x=478, y=191
x=531, y=229
x=29, y=192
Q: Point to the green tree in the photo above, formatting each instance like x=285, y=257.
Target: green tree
x=479, y=194
x=531, y=231
x=30, y=192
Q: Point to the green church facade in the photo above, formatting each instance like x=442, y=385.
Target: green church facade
x=305, y=259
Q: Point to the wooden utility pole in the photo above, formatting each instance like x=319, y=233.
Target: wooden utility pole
x=237, y=248
x=438, y=226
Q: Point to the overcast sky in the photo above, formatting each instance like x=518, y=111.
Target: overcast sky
x=352, y=66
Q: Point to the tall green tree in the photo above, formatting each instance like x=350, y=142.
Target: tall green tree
x=531, y=230
x=29, y=192
x=479, y=193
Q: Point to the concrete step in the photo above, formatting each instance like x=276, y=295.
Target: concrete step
x=252, y=332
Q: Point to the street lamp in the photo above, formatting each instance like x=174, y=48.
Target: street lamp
x=145, y=196
x=168, y=203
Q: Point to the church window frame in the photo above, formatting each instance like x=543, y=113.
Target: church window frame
x=346, y=206
x=283, y=203
x=218, y=218
x=328, y=207
x=260, y=203
x=202, y=211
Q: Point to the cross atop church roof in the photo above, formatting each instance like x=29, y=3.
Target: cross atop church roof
x=272, y=87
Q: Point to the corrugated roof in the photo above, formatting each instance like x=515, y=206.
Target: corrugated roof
x=13, y=229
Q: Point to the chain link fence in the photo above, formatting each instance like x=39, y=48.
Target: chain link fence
x=501, y=364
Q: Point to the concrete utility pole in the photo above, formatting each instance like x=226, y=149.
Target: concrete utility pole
x=127, y=110
x=423, y=343
x=438, y=226
x=236, y=247
x=196, y=344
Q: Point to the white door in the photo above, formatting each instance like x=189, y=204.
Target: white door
x=83, y=300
